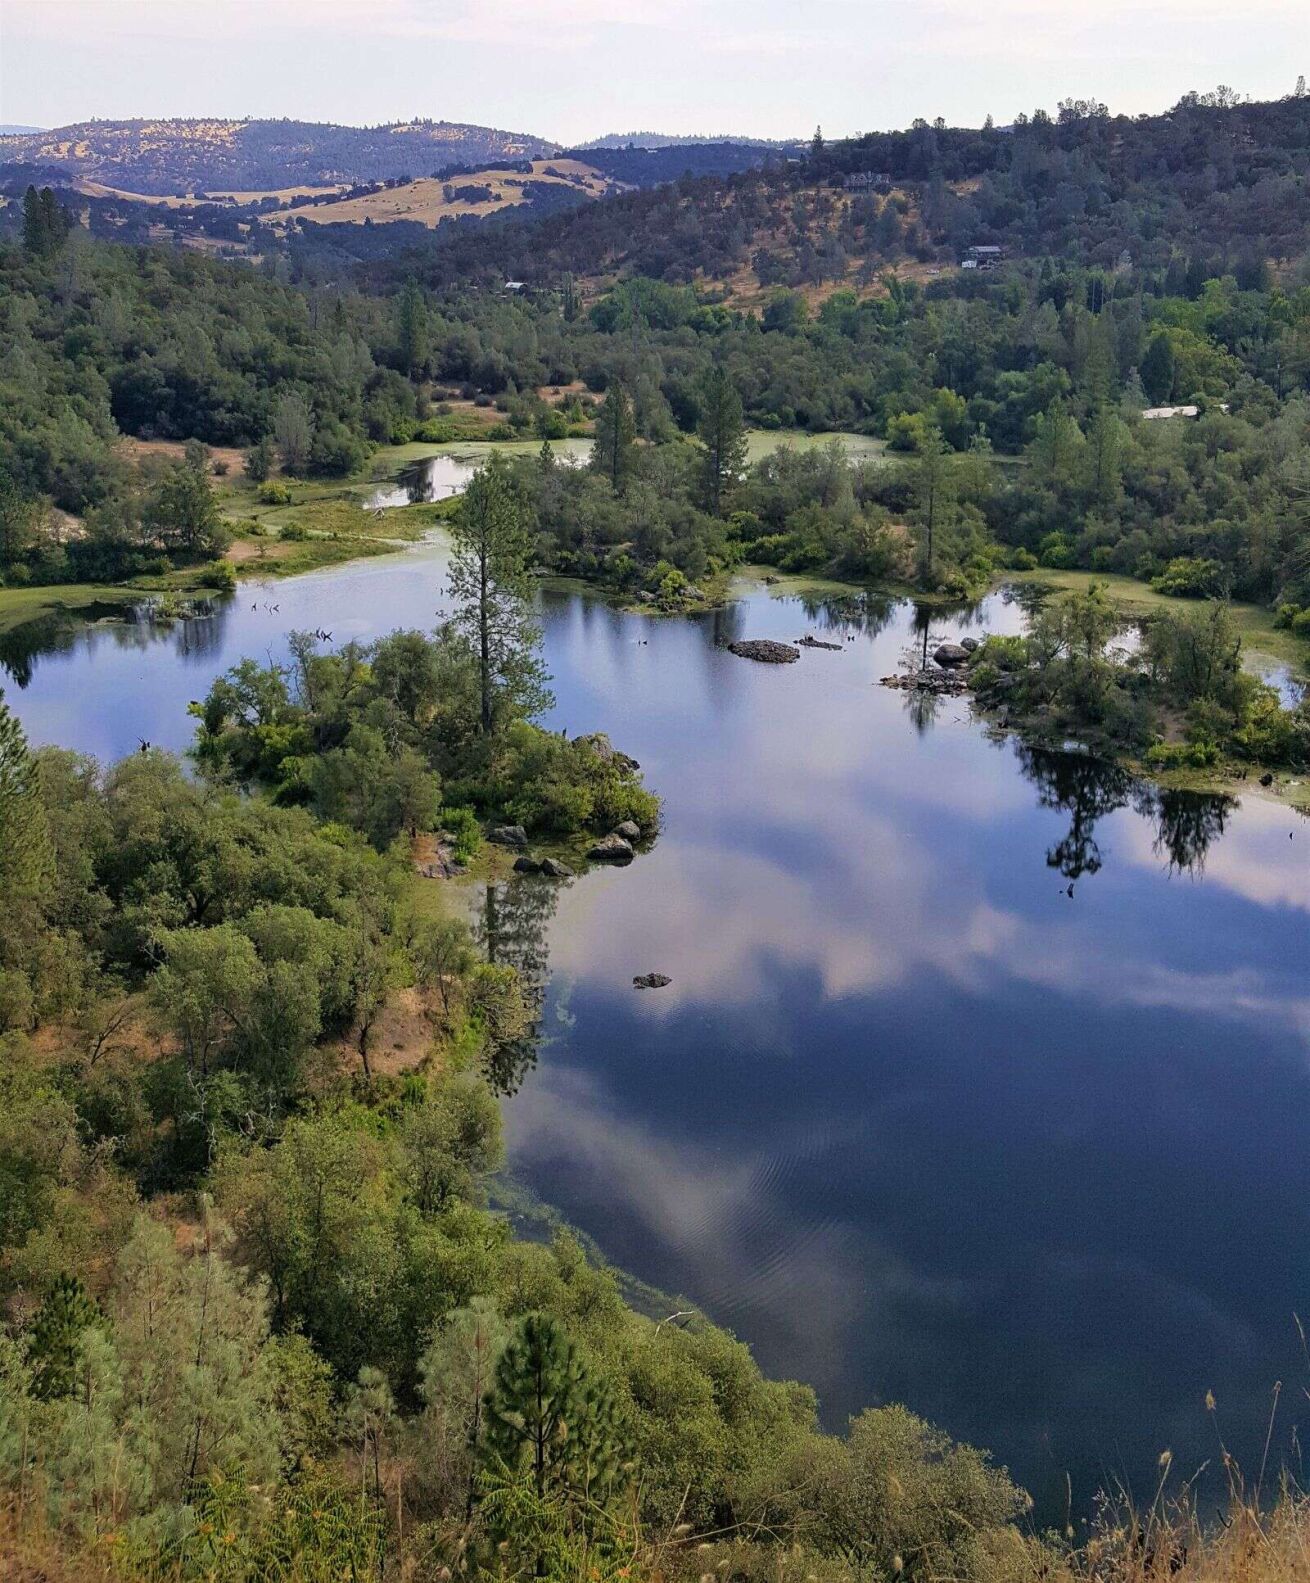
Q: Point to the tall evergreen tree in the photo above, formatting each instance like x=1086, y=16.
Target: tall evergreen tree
x=722, y=431
x=413, y=335
x=614, y=452
x=55, y=1338
x=35, y=238
x=935, y=499
x=1157, y=370
x=491, y=588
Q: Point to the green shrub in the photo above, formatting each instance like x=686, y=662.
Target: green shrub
x=461, y=824
x=1056, y=552
x=273, y=493
x=294, y=533
x=1199, y=755
x=220, y=576
x=1189, y=577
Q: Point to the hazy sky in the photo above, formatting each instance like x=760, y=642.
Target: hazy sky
x=570, y=69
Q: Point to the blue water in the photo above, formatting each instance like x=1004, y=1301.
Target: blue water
x=912, y=1119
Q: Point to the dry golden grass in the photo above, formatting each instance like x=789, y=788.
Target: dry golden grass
x=425, y=202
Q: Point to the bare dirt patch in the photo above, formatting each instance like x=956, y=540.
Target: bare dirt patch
x=175, y=450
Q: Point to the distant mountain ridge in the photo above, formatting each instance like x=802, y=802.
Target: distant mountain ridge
x=653, y=140
x=159, y=157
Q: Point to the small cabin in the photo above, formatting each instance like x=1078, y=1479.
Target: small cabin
x=985, y=256
x=516, y=286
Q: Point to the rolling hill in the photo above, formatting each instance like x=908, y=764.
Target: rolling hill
x=1214, y=187
x=187, y=156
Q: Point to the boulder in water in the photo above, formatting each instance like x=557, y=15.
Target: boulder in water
x=629, y=829
x=527, y=865
x=553, y=868
x=612, y=849
x=950, y=654
x=651, y=981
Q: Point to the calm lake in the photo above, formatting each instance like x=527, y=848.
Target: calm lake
x=913, y=1118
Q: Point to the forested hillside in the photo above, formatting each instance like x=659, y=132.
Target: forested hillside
x=1220, y=181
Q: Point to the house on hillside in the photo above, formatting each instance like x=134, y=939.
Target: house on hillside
x=986, y=256
x=514, y=287
x=867, y=181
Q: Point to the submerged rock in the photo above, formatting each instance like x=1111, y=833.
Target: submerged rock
x=612, y=849
x=765, y=650
x=949, y=683
x=651, y=981
x=509, y=835
x=950, y=654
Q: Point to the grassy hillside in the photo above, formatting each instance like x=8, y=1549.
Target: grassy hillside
x=477, y=194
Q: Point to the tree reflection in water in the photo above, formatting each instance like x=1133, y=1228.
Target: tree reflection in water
x=1088, y=789
x=511, y=930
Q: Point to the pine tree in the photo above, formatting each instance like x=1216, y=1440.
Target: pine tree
x=546, y=1416
x=412, y=333
x=935, y=499
x=1157, y=370
x=35, y=237
x=616, y=436
x=722, y=431
x=55, y=1338
x=490, y=586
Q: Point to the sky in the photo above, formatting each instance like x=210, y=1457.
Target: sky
x=574, y=69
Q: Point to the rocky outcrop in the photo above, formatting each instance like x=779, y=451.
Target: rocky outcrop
x=765, y=650
x=612, y=848
x=651, y=981
x=808, y=642
x=606, y=752
x=509, y=835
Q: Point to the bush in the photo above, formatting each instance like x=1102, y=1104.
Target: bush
x=220, y=576
x=461, y=825
x=294, y=533
x=1199, y=755
x=273, y=493
x=1189, y=577
x=1056, y=552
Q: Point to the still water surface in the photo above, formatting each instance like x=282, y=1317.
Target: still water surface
x=912, y=1119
